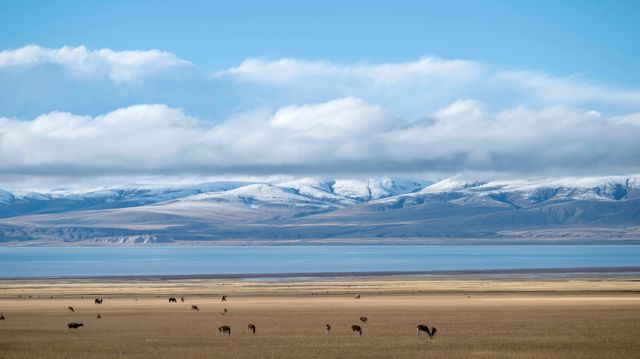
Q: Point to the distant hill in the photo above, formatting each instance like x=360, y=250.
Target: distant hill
x=330, y=211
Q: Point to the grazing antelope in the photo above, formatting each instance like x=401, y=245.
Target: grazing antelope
x=173, y=300
x=251, y=329
x=363, y=320
x=224, y=329
x=75, y=325
x=195, y=307
x=327, y=329
x=425, y=329
x=1, y=316
x=98, y=301
x=98, y=316
x=182, y=299
x=71, y=309
x=356, y=329
x=224, y=298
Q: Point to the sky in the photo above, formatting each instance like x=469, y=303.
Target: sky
x=123, y=89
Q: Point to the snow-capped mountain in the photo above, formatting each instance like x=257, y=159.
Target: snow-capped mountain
x=526, y=193
x=310, y=209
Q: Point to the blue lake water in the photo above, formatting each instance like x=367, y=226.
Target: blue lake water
x=212, y=260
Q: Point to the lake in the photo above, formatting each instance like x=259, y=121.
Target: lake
x=223, y=260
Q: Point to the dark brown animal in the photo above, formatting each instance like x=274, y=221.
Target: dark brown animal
x=357, y=296
x=71, y=309
x=195, y=307
x=98, y=316
x=224, y=311
x=356, y=329
x=425, y=329
x=172, y=300
x=75, y=325
x=98, y=301
x=182, y=299
x=364, y=320
x=1, y=316
x=224, y=329
x=327, y=329
x=224, y=298
x=251, y=329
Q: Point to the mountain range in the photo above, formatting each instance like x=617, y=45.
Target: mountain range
x=336, y=211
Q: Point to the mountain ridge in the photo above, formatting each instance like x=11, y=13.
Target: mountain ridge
x=309, y=209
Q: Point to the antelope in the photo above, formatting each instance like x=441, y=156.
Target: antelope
x=327, y=329
x=98, y=316
x=225, y=311
x=356, y=329
x=173, y=300
x=195, y=307
x=71, y=309
x=98, y=301
x=425, y=329
x=251, y=329
x=357, y=296
x=224, y=298
x=75, y=325
x=182, y=299
x=1, y=316
x=224, y=329
x=363, y=320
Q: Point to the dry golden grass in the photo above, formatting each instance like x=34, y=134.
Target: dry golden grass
x=538, y=321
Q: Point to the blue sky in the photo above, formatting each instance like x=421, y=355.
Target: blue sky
x=595, y=38
x=386, y=70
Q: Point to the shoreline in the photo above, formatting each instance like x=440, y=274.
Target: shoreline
x=513, y=273
x=427, y=241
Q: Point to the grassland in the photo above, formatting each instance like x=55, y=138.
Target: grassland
x=476, y=318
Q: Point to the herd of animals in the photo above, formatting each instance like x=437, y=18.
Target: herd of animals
x=251, y=328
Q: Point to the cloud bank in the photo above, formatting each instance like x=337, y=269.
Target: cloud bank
x=346, y=135
x=427, y=79
x=118, y=66
x=292, y=116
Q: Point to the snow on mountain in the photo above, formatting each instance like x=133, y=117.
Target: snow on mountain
x=30, y=202
x=328, y=194
x=522, y=193
x=320, y=189
x=369, y=189
x=261, y=196
x=6, y=197
x=330, y=208
x=514, y=194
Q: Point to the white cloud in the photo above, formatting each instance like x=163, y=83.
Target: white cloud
x=631, y=119
x=288, y=70
x=118, y=66
x=564, y=90
x=342, y=136
x=428, y=81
